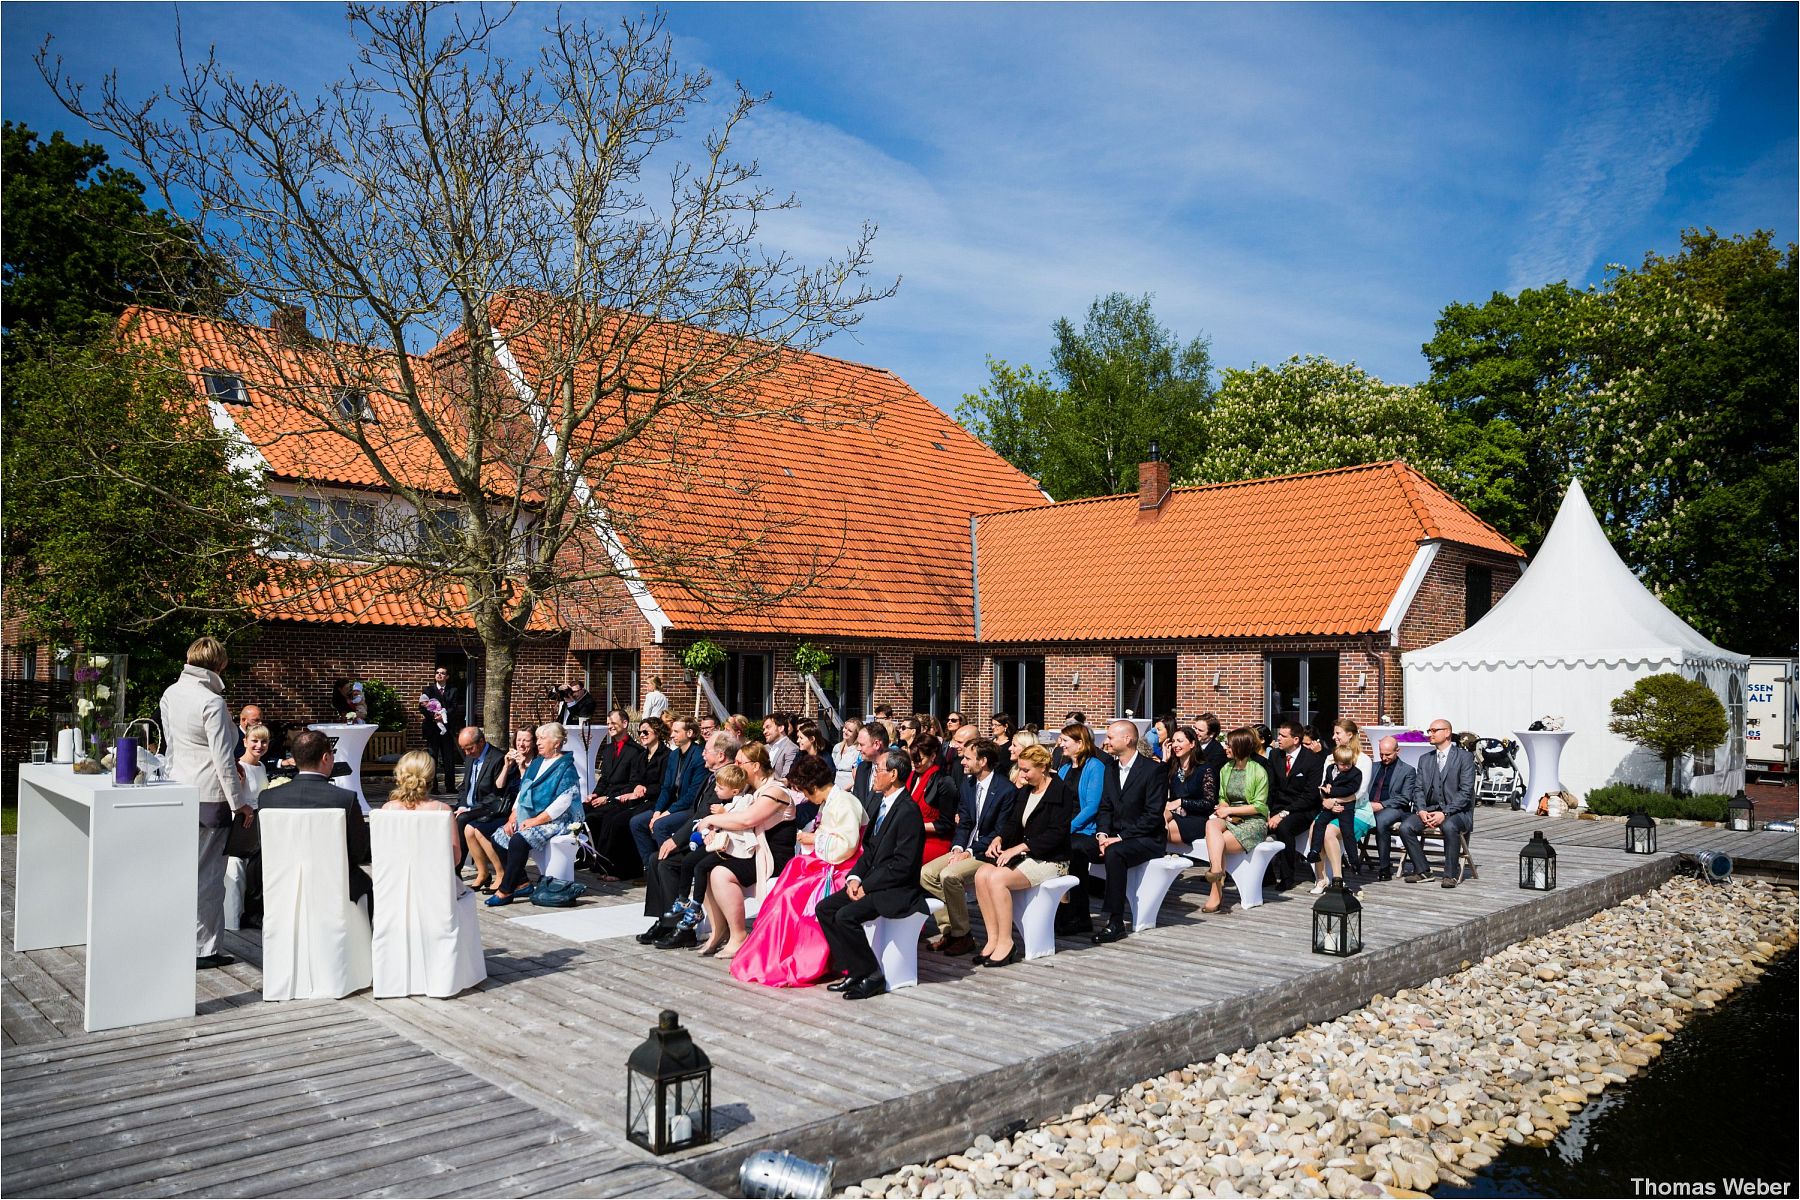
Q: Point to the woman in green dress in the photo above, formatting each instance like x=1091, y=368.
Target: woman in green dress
x=1241, y=820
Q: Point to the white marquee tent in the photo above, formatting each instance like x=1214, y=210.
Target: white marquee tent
x=1574, y=633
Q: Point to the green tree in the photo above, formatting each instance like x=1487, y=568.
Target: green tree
x=81, y=245
x=1671, y=390
x=1312, y=414
x=127, y=526
x=1118, y=384
x=1670, y=716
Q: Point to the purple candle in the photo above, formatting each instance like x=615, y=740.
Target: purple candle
x=125, y=761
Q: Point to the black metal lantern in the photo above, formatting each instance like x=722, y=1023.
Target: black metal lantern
x=1739, y=813
x=668, y=1090
x=1640, y=833
x=1537, y=864
x=1337, y=922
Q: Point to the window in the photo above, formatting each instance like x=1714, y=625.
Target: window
x=850, y=683
x=612, y=677
x=439, y=527
x=1019, y=689
x=744, y=682
x=353, y=405
x=1146, y=686
x=349, y=526
x=1304, y=688
x=1478, y=593
x=1706, y=758
x=226, y=388
x=28, y=661
x=937, y=686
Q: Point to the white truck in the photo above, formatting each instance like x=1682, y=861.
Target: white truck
x=1769, y=716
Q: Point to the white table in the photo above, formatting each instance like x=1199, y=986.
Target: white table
x=114, y=869
x=347, y=745
x=585, y=755
x=1544, y=748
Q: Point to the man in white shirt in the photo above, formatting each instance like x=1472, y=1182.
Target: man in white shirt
x=986, y=797
x=655, y=703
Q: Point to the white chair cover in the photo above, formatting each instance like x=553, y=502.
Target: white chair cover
x=427, y=934
x=315, y=942
x=235, y=880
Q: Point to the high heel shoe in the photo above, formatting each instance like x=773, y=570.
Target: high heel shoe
x=981, y=958
x=1017, y=954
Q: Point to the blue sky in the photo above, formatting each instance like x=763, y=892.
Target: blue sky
x=1285, y=179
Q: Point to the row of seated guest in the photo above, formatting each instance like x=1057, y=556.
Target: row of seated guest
x=547, y=805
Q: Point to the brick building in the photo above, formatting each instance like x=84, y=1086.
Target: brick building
x=939, y=576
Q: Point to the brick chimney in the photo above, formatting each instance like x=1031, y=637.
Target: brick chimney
x=288, y=323
x=1153, y=481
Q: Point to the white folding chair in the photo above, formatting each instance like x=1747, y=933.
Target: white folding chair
x=427, y=933
x=316, y=943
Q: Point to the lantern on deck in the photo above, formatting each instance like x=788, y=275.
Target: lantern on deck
x=1640, y=833
x=668, y=1090
x=1337, y=922
x=1537, y=864
x=1739, y=812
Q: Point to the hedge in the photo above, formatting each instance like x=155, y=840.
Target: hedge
x=1623, y=799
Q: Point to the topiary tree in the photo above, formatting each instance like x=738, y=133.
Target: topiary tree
x=1670, y=716
x=814, y=660
x=701, y=658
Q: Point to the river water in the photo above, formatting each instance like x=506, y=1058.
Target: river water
x=1720, y=1104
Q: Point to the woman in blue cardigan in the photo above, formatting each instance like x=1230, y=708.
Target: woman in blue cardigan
x=1084, y=769
x=549, y=804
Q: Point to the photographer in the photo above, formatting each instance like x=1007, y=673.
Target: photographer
x=574, y=703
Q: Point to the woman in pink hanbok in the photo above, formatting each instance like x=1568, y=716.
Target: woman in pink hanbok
x=786, y=947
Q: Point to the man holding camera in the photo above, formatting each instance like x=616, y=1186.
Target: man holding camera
x=574, y=703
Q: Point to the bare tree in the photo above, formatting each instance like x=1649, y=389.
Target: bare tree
x=593, y=346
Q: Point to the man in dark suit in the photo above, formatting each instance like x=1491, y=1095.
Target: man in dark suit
x=871, y=742
x=985, y=800
x=1294, y=776
x=883, y=883
x=440, y=730
x=1393, y=795
x=479, y=799
x=577, y=705
x=1132, y=830
x=1211, y=749
x=312, y=788
x=1446, y=803
x=662, y=874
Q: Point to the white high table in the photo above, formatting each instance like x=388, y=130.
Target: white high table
x=585, y=741
x=347, y=745
x=1543, y=749
x=115, y=869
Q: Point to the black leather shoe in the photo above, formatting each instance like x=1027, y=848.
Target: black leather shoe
x=1112, y=933
x=1385, y=873
x=206, y=962
x=844, y=984
x=684, y=938
x=866, y=989
x=1016, y=955
x=649, y=936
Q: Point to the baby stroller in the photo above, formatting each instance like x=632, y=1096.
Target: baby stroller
x=1497, y=779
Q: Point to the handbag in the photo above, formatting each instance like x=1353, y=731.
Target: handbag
x=557, y=893
x=243, y=839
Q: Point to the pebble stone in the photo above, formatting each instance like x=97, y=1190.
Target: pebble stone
x=1411, y=1091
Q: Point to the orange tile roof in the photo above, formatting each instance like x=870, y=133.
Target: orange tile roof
x=347, y=595
x=285, y=382
x=823, y=468
x=1321, y=554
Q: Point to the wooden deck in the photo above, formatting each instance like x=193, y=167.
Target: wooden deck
x=515, y=1088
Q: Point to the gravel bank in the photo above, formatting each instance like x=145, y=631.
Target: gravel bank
x=1423, y=1087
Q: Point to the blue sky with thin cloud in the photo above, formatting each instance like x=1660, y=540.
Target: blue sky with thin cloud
x=1285, y=179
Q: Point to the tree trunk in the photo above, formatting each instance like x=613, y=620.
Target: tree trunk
x=1669, y=776
x=496, y=695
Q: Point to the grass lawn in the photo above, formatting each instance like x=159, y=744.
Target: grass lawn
x=9, y=820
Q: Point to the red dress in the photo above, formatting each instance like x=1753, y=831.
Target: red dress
x=922, y=792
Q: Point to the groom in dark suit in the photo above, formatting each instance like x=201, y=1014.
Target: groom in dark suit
x=312, y=788
x=884, y=882
x=1132, y=827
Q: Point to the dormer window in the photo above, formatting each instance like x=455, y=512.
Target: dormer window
x=353, y=405
x=226, y=388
